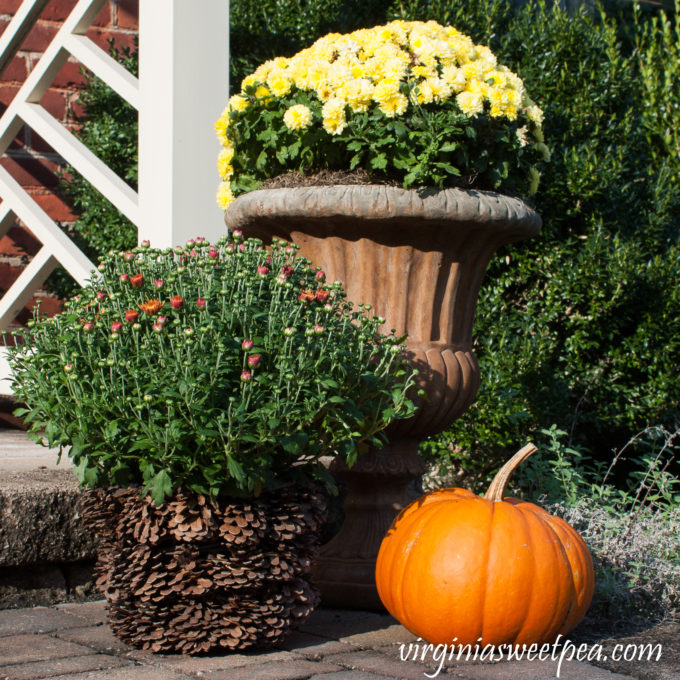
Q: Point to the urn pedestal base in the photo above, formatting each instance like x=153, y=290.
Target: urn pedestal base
x=377, y=489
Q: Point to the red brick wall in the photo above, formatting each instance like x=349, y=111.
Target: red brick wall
x=30, y=160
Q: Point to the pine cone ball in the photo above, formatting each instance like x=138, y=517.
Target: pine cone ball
x=192, y=577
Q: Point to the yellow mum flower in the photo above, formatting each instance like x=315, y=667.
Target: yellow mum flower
x=394, y=106
x=325, y=91
x=224, y=166
x=333, y=113
x=470, y=103
x=297, y=117
x=238, y=103
x=386, y=89
x=522, y=136
x=279, y=82
x=224, y=195
x=357, y=93
x=262, y=92
x=422, y=93
x=510, y=112
x=441, y=90
x=455, y=77
x=249, y=80
x=221, y=125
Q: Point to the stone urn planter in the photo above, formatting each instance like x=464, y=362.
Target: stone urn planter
x=418, y=257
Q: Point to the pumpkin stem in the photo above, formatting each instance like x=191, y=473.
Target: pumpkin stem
x=500, y=481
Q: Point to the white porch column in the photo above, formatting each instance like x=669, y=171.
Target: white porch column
x=183, y=82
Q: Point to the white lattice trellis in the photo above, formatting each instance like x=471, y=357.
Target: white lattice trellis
x=182, y=87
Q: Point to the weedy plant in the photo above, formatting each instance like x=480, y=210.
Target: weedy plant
x=412, y=101
x=222, y=369
x=631, y=532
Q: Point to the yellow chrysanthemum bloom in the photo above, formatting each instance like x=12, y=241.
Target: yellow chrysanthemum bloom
x=358, y=94
x=279, y=82
x=394, y=106
x=455, y=77
x=221, y=125
x=224, y=195
x=248, y=81
x=238, y=103
x=386, y=89
x=224, y=166
x=470, y=103
x=333, y=113
x=441, y=90
x=262, y=92
x=422, y=93
x=297, y=117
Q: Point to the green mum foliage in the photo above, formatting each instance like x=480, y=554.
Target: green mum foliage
x=222, y=369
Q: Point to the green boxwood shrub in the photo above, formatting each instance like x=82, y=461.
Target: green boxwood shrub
x=581, y=325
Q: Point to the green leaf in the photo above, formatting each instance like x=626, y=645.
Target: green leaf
x=295, y=443
x=235, y=469
x=161, y=486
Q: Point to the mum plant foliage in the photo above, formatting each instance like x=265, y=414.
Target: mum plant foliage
x=224, y=369
x=410, y=101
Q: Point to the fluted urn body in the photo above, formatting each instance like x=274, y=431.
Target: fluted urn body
x=419, y=258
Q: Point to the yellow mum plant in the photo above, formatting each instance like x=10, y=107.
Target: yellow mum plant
x=410, y=101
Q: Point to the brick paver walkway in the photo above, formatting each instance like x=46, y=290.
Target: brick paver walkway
x=73, y=642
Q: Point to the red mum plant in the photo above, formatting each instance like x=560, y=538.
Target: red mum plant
x=252, y=394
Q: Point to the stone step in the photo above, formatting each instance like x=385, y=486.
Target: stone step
x=45, y=552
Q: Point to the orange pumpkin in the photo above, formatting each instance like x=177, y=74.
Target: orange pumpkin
x=455, y=567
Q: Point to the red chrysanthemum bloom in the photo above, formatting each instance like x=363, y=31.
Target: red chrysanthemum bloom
x=286, y=270
x=176, y=301
x=321, y=295
x=213, y=253
x=137, y=280
x=116, y=326
x=246, y=376
x=262, y=270
x=131, y=315
x=151, y=306
x=306, y=296
x=247, y=344
x=253, y=360
x=124, y=277
x=320, y=275
x=200, y=303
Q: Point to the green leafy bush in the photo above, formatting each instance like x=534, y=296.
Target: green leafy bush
x=581, y=325
x=222, y=369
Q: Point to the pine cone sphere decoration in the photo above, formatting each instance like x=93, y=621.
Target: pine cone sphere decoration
x=192, y=577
